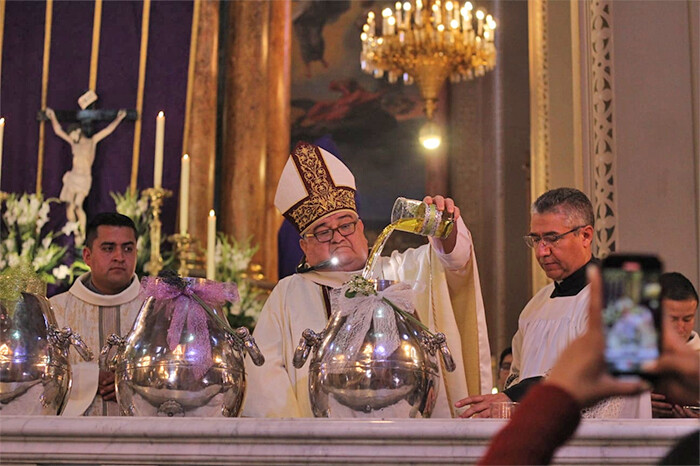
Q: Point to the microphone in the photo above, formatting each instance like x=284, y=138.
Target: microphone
x=303, y=267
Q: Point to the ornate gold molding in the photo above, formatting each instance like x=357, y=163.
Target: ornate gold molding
x=539, y=114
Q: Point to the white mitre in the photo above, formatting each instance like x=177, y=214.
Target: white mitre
x=314, y=184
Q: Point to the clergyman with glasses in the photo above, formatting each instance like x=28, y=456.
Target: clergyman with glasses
x=316, y=193
x=561, y=234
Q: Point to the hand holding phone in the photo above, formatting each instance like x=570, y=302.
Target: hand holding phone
x=632, y=315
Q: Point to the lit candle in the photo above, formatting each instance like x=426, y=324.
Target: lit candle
x=2, y=134
x=184, y=193
x=407, y=15
x=386, y=13
x=211, y=245
x=480, y=18
x=158, y=165
x=419, y=12
x=448, y=12
x=398, y=7
x=468, y=7
x=437, y=12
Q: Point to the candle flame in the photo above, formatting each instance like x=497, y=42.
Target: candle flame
x=185, y=157
x=2, y=121
x=212, y=213
x=5, y=352
x=161, y=114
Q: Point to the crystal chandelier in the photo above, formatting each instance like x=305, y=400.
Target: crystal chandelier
x=427, y=41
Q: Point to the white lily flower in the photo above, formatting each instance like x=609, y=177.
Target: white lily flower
x=61, y=272
x=70, y=228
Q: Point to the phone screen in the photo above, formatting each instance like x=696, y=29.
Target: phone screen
x=632, y=312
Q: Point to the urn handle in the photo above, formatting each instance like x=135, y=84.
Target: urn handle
x=81, y=347
x=435, y=342
x=243, y=340
x=64, y=337
x=111, y=364
x=441, y=343
x=309, y=340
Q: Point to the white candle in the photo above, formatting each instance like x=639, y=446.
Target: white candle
x=480, y=24
x=184, y=193
x=158, y=164
x=386, y=13
x=211, y=245
x=2, y=134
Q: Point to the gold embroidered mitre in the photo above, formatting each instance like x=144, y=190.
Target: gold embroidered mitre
x=313, y=185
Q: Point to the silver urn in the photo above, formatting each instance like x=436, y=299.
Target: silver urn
x=35, y=375
x=377, y=377
x=181, y=358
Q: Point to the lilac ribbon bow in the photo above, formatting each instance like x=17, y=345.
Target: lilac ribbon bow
x=185, y=308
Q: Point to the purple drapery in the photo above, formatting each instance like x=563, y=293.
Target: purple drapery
x=117, y=80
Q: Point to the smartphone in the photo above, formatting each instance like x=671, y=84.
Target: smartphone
x=632, y=315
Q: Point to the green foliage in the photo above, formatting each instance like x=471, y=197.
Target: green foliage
x=232, y=260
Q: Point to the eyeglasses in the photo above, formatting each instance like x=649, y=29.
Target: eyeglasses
x=324, y=236
x=547, y=240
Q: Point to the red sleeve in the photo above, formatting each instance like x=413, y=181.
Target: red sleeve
x=545, y=419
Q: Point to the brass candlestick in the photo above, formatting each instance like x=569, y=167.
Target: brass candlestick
x=156, y=195
x=185, y=252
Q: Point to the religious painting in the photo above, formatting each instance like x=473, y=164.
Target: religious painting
x=370, y=124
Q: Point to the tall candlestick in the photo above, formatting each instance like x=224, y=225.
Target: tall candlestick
x=158, y=165
x=2, y=134
x=211, y=245
x=184, y=193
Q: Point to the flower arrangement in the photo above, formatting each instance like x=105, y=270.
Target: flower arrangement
x=232, y=260
x=28, y=240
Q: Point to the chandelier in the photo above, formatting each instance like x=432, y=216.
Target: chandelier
x=428, y=41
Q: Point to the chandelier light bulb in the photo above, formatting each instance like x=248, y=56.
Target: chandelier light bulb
x=429, y=135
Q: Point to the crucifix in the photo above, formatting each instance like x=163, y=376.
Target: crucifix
x=83, y=140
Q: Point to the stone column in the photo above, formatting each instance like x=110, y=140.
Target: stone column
x=199, y=140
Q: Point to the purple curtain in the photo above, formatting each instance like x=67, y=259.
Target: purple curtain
x=117, y=83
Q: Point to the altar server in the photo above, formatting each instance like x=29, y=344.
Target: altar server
x=103, y=301
x=561, y=233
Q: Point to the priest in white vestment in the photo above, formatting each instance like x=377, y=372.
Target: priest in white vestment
x=316, y=193
x=103, y=301
x=679, y=301
x=561, y=233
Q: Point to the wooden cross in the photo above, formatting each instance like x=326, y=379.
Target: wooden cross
x=86, y=118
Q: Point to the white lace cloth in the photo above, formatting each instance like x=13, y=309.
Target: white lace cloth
x=362, y=312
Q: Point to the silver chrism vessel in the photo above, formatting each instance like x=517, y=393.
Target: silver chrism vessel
x=372, y=359
x=35, y=375
x=181, y=358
